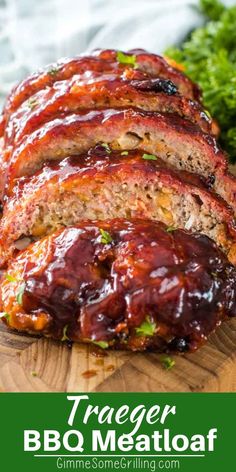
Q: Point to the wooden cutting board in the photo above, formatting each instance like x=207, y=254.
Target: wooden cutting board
x=31, y=364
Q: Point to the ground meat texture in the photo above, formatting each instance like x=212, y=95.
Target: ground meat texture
x=122, y=284
x=174, y=139
x=104, y=184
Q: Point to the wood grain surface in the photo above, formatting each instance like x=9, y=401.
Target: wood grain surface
x=32, y=364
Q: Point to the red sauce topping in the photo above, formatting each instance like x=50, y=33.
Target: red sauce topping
x=180, y=281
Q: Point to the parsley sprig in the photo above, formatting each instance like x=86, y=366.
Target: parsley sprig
x=149, y=157
x=64, y=334
x=105, y=237
x=129, y=59
x=147, y=328
x=53, y=71
x=170, y=229
x=101, y=344
x=10, y=278
x=20, y=293
x=167, y=362
x=5, y=315
x=106, y=146
x=32, y=103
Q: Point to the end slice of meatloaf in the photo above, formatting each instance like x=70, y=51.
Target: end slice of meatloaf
x=155, y=65
x=120, y=284
x=175, y=140
x=103, y=184
x=101, y=61
x=98, y=92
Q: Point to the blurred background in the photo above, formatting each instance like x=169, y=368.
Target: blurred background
x=34, y=33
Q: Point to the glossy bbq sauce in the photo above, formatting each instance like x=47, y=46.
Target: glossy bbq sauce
x=104, y=280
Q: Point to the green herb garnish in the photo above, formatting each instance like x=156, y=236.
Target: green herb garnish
x=167, y=362
x=207, y=113
x=64, y=334
x=10, y=278
x=209, y=58
x=20, y=293
x=106, y=146
x=128, y=59
x=32, y=102
x=124, y=153
x=170, y=229
x=106, y=237
x=149, y=157
x=6, y=315
x=53, y=71
x=102, y=344
x=34, y=374
x=147, y=328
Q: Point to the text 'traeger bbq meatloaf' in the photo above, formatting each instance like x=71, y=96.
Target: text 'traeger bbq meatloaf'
x=121, y=284
x=108, y=184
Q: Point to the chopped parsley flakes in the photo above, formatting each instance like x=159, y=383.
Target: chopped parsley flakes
x=53, y=71
x=20, y=293
x=147, y=328
x=102, y=344
x=5, y=315
x=170, y=229
x=149, y=157
x=167, y=362
x=128, y=59
x=32, y=102
x=10, y=278
x=64, y=334
x=106, y=237
x=106, y=146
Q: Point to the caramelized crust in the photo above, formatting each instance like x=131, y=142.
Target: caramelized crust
x=92, y=91
x=127, y=284
x=101, y=61
x=156, y=66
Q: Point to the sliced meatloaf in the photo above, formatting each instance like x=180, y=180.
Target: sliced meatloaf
x=98, y=92
x=103, y=184
x=120, y=284
x=172, y=138
x=101, y=61
x=156, y=66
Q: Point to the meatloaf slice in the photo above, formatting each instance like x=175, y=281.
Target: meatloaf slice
x=101, y=184
x=120, y=284
x=155, y=65
x=98, y=92
x=172, y=138
x=101, y=61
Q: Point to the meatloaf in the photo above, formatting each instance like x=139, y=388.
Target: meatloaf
x=172, y=138
x=104, y=184
x=118, y=223
x=92, y=91
x=99, y=61
x=121, y=284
